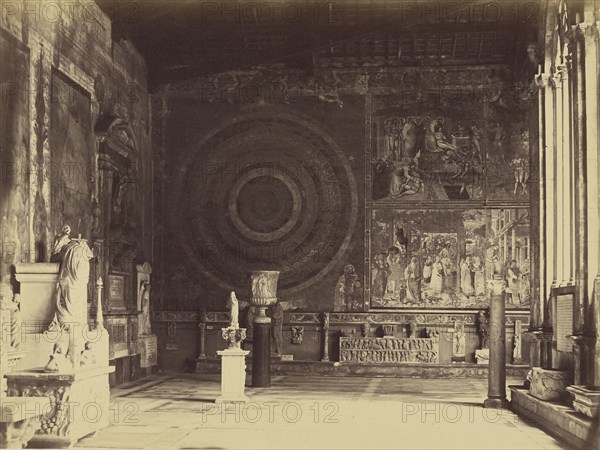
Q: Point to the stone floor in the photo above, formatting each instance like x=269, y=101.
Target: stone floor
x=177, y=411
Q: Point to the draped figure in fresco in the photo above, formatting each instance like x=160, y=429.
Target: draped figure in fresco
x=437, y=275
x=479, y=269
x=395, y=279
x=379, y=275
x=413, y=277
x=465, y=277
x=72, y=286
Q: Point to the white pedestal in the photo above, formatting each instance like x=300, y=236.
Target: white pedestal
x=233, y=375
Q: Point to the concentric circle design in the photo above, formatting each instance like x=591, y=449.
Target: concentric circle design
x=269, y=192
x=275, y=198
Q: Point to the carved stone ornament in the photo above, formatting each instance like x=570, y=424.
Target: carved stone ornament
x=234, y=336
x=297, y=335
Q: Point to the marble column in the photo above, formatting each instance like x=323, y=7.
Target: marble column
x=497, y=366
x=325, y=337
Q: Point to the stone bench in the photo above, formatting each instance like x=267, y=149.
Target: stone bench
x=20, y=418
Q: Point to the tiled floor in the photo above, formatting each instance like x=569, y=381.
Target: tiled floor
x=178, y=411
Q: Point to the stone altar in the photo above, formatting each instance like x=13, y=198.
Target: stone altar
x=389, y=350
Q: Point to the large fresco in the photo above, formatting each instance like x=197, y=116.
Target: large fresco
x=442, y=258
x=466, y=151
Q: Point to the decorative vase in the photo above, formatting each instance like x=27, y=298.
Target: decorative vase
x=263, y=284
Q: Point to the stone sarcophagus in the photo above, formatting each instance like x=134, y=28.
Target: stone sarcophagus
x=389, y=350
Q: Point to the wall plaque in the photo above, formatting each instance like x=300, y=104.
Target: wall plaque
x=564, y=322
x=116, y=291
x=148, y=350
x=389, y=350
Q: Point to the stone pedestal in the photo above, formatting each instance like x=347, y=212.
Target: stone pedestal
x=38, y=291
x=497, y=365
x=20, y=418
x=549, y=385
x=586, y=400
x=233, y=375
x=79, y=402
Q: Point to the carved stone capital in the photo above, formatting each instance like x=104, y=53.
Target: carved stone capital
x=497, y=287
x=588, y=30
x=234, y=336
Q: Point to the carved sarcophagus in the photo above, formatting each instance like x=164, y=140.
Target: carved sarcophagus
x=389, y=350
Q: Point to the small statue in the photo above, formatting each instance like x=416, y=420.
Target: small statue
x=60, y=241
x=483, y=327
x=145, y=325
x=58, y=359
x=87, y=356
x=233, y=306
x=275, y=312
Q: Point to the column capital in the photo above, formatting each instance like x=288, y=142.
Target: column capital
x=497, y=286
x=542, y=80
x=588, y=30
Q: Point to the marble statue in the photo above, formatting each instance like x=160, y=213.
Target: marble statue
x=145, y=326
x=58, y=359
x=275, y=312
x=72, y=288
x=483, y=327
x=10, y=302
x=234, y=310
x=60, y=241
x=88, y=358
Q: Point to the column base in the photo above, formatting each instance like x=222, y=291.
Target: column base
x=496, y=403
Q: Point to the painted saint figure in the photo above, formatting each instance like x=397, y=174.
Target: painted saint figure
x=465, y=277
x=380, y=275
x=412, y=274
x=479, y=283
x=437, y=274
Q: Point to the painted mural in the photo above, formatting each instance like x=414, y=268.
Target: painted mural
x=72, y=144
x=442, y=259
x=470, y=151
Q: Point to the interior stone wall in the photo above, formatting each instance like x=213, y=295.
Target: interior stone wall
x=250, y=187
x=61, y=72
x=215, y=137
x=62, y=76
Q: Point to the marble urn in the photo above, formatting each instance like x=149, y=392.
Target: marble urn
x=263, y=284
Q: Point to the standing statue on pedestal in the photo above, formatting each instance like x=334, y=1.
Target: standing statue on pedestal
x=72, y=287
x=145, y=325
x=234, y=310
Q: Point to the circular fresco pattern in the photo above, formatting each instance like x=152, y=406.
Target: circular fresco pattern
x=268, y=193
x=264, y=204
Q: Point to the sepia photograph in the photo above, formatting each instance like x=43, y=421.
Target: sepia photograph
x=300, y=224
